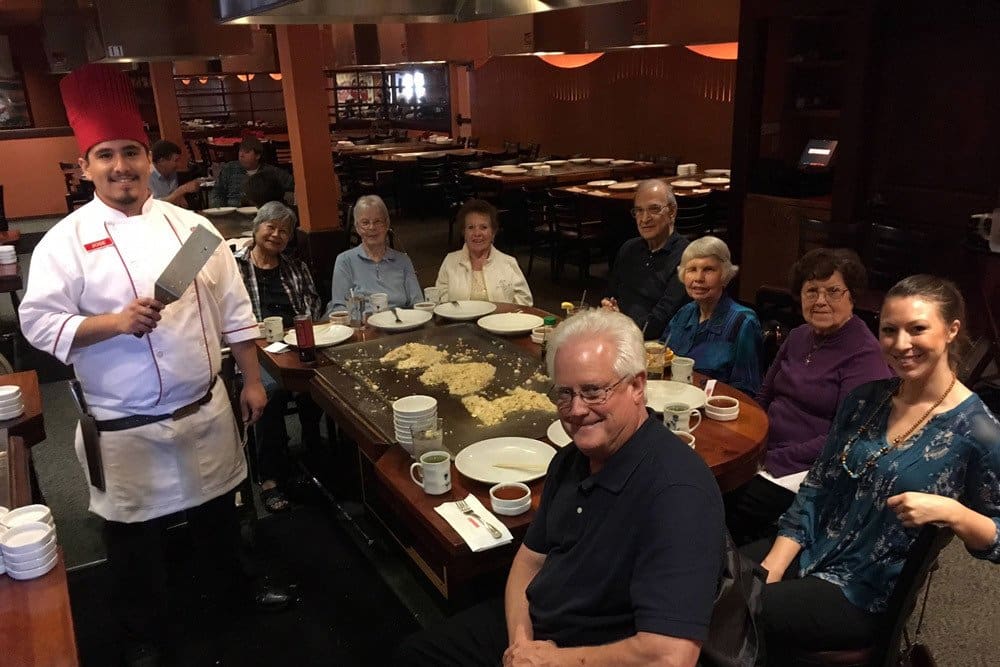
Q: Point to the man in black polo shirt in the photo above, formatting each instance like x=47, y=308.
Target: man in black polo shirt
x=621, y=563
x=644, y=283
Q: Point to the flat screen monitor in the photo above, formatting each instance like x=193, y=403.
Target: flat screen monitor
x=818, y=154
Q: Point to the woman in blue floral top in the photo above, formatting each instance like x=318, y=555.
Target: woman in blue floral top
x=920, y=448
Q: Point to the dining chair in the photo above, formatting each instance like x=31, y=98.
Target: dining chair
x=814, y=233
x=892, y=253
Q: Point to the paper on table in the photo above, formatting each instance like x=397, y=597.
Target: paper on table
x=790, y=482
x=472, y=531
x=275, y=348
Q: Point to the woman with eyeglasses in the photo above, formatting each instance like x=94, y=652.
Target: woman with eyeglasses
x=279, y=286
x=479, y=271
x=902, y=453
x=820, y=363
x=373, y=266
x=721, y=336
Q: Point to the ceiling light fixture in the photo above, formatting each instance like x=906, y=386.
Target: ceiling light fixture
x=275, y=75
x=572, y=60
x=717, y=51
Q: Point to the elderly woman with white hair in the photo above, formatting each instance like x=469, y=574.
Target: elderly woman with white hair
x=373, y=266
x=722, y=337
x=279, y=286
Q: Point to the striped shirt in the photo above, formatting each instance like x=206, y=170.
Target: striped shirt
x=295, y=277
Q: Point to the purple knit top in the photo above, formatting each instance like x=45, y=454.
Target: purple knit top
x=809, y=378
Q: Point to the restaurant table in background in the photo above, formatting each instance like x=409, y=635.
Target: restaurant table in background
x=564, y=175
x=393, y=158
x=344, y=150
x=732, y=450
x=231, y=225
x=627, y=196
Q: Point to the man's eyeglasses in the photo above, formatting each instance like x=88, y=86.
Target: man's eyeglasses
x=371, y=224
x=563, y=396
x=832, y=294
x=653, y=210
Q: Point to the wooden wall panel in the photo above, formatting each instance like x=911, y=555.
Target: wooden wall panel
x=667, y=101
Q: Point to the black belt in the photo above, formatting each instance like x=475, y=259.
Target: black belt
x=135, y=421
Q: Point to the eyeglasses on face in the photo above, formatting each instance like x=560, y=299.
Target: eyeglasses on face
x=832, y=294
x=563, y=396
x=279, y=229
x=371, y=224
x=653, y=210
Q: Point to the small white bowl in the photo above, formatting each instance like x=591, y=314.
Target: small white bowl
x=720, y=416
x=43, y=553
x=513, y=503
x=35, y=573
x=425, y=305
x=417, y=404
x=340, y=317
x=9, y=391
x=26, y=539
x=12, y=414
x=27, y=514
x=515, y=511
x=723, y=404
x=40, y=560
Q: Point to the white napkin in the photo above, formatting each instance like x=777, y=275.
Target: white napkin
x=474, y=532
x=790, y=482
x=275, y=348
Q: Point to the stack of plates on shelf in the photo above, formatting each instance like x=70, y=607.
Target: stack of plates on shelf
x=621, y=163
x=27, y=542
x=579, y=160
x=410, y=411
x=11, y=401
x=8, y=255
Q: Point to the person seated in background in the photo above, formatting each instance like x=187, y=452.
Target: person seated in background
x=643, y=282
x=279, y=286
x=820, y=363
x=373, y=266
x=231, y=185
x=623, y=558
x=166, y=156
x=479, y=271
x=265, y=186
x=902, y=453
x=722, y=337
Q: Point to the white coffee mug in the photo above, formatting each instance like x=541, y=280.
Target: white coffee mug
x=681, y=369
x=379, y=301
x=685, y=437
x=677, y=417
x=274, y=329
x=435, y=471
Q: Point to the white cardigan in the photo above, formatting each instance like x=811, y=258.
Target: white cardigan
x=504, y=280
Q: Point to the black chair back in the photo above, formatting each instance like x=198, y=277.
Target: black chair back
x=892, y=254
x=825, y=234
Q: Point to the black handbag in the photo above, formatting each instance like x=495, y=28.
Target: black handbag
x=734, y=635
x=915, y=653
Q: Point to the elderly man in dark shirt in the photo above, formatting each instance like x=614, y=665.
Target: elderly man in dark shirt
x=621, y=563
x=644, y=283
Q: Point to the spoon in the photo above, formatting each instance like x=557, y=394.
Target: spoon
x=395, y=311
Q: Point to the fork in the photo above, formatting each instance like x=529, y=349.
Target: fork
x=395, y=312
x=464, y=508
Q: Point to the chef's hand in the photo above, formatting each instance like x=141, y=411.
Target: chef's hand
x=610, y=304
x=531, y=654
x=253, y=399
x=140, y=316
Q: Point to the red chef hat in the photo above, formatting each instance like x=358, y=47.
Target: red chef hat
x=101, y=106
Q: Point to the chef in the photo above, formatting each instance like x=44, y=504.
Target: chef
x=168, y=440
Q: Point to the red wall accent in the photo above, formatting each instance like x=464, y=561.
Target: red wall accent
x=665, y=101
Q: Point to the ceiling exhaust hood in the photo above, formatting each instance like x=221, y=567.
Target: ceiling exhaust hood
x=385, y=11
x=153, y=30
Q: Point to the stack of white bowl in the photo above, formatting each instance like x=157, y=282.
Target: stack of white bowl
x=410, y=411
x=28, y=542
x=11, y=401
x=8, y=255
x=538, y=334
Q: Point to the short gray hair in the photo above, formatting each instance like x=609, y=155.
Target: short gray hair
x=274, y=211
x=655, y=184
x=619, y=329
x=370, y=201
x=709, y=246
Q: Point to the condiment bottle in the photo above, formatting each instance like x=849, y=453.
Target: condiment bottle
x=304, y=338
x=548, y=321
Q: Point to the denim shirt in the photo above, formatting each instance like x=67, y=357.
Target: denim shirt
x=394, y=275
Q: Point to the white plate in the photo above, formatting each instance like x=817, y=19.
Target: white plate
x=685, y=183
x=622, y=163
x=325, y=335
x=632, y=185
x=247, y=210
x=579, y=160
x=555, y=163
x=601, y=160
x=222, y=210
x=715, y=180
x=509, y=324
x=717, y=172
x=661, y=392
x=476, y=461
x=600, y=184
x=516, y=171
x=558, y=435
x=529, y=165
x=411, y=319
x=465, y=310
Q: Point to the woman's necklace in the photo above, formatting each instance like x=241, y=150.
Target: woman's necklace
x=817, y=343
x=895, y=442
x=257, y=261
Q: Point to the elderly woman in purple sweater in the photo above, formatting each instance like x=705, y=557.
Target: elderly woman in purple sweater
x=818, y=365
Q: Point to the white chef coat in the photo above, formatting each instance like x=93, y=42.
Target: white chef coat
x=97, y=260
x=504, y=280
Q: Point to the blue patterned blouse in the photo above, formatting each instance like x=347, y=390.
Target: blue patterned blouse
x=726, y=346
x=849, y=536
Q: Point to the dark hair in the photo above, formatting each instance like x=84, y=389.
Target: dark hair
x=264, y=186
x=950, y=303
x=478, y=206
x=820, y=264
x=252, y=144
x=164, y=149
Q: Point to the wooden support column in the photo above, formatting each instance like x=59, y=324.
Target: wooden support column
x=317, y=190
x=161, y=76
